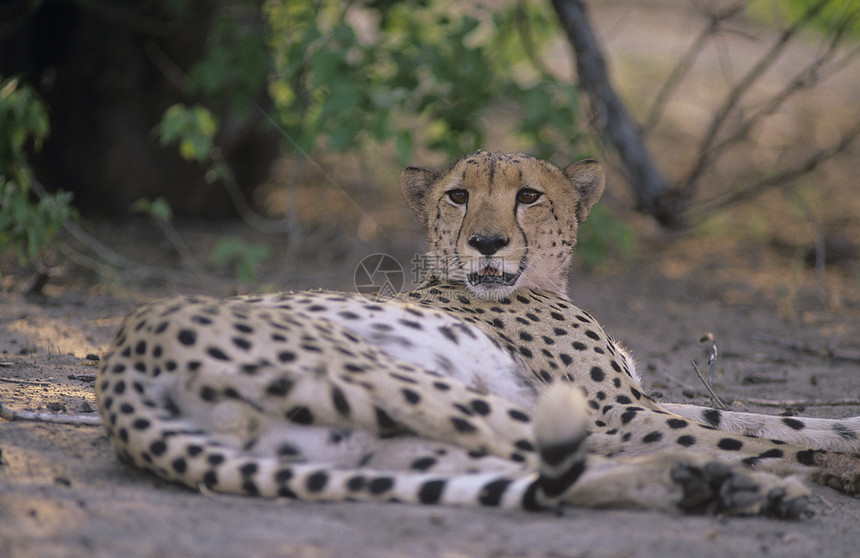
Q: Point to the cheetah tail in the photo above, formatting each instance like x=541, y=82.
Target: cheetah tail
x=561, y=427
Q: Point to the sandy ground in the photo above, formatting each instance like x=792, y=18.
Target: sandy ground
x=63, y=493
x=784, y=333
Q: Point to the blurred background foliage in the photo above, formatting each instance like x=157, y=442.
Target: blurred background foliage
x=191, y=103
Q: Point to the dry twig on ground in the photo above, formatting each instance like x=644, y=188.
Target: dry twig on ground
x=31, y=416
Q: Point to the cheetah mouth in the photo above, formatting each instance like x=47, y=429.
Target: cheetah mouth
x=490, y=275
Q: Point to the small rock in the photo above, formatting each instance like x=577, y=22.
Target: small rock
x=92, y=356
x=56, y=407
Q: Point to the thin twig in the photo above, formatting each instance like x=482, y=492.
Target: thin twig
x=684, y=64
x=712, y=357
x=715, y=399
x=782, y=178
x=734, y=96
x=848, y=401
x=24, y=382
x=828, y=353
x=806, y=77
x=30, y=416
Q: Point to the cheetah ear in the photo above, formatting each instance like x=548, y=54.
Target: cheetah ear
x=588, y=180
x=415, y=183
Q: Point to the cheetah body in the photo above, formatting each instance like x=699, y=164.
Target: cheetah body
x=483, y=386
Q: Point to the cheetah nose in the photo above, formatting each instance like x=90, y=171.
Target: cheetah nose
x=488, y=245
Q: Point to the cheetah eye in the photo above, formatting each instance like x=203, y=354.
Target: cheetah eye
x=458, y=196
x=527, y=196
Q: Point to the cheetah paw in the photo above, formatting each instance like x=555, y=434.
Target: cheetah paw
x=839, y=471
x=717, y=488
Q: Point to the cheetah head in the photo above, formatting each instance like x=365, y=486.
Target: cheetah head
x=499, y=222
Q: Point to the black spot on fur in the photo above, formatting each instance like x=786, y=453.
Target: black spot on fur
x=686, y=441
x=676, y=423
x=597, y=374
x=449, y=334
x=215, y=352
x=316, y=482
x=481, y=407
x=179, y=465
x=712, y=417
x=411, y=396
x=141, y=424
x=794, y=424
x=340, y=402
x=356, y=483
x=463, y=426
x=431, y=491
x=518, y=416
x=730, y=444
x=210, y=479
x=491, y=494
x=243, y=344
x=652, y=437
x=524, y=445
x=772, y=453
x=843, y=431
x=187, y=337
x=422, y=463
x=380, y=485
x=384, y=420
x=806, y=457
x=300, y=415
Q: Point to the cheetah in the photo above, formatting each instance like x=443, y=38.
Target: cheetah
x=483, y=386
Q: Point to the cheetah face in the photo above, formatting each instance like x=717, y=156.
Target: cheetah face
x=499, y=222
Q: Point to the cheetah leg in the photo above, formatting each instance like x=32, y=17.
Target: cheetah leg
x=647, y=431
x=174, y=450
x=682, y=481
x=839, y=435
x=382, y=399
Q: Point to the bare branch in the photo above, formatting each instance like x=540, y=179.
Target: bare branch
x=808, y=76
x=799, y=402
x=685, y=63
x=30, y=416
x=715, y=399
x=782, y=178
x=24, y=382
x=649, y=186
x=705, y=154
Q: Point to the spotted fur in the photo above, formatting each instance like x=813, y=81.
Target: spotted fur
x=479, y=387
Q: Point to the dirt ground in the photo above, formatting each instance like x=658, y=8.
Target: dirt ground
x=785, y=333
x=63, y=493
